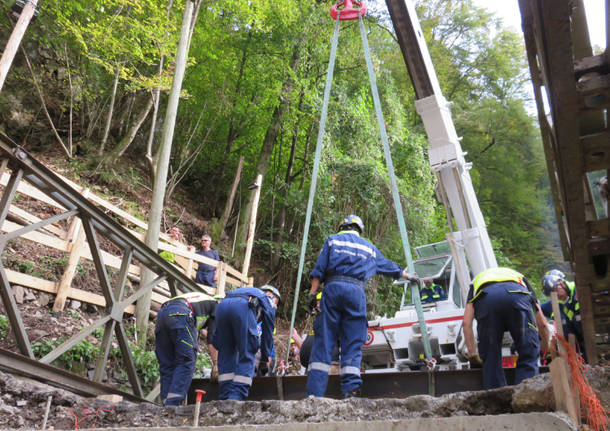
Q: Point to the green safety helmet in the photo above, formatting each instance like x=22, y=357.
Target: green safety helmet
x=352, y=220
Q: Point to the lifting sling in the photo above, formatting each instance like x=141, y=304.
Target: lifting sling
x=348, y=12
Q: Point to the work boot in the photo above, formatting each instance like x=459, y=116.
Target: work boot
x=356, y=393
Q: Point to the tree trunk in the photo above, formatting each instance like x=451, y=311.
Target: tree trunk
x=156, y=207
x=131, y=134
x=227, y=212
x=10, y=50
x=100, y=151
x=267, y=149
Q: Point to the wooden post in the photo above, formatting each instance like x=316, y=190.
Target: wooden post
x=189, y=267
x=222, y=278
x=63, y=288
x=565, y=399
x=252, y=225
x=15, y=40
x=76, y=242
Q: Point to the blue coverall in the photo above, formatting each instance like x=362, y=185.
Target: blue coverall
x=176, y=335
x=505, y=306
x=176, y=350
x=432, y=294
x=237, y=339
x=345, y=263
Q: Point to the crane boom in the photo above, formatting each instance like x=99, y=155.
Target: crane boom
x=470, y=241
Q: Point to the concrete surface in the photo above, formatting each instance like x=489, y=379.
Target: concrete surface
x=516, y=422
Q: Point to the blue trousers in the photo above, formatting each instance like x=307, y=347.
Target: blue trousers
x=176, y=350
x=237, y=342
x=502, y=309
x=343, y=317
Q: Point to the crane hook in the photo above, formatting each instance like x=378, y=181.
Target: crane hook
x=349, y=12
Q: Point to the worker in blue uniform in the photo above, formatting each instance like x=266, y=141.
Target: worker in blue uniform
x=555, y=281
x=237, y=340
x=176, y=333
x=502, y=300
x=344, y=265
x=275, y=297
x=432, y=292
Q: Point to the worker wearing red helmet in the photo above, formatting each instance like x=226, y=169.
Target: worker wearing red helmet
x=345, y=264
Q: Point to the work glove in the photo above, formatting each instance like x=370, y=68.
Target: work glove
x=312, y=303
x=475, y=361
x=214, y=374
x=263, y=369
x=411, y=276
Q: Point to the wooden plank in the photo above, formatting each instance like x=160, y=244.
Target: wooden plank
x=51, y=287
x=107, y=205
x=596, y=150
x=598, y=228
x=32, y=219
x=31, y=191
x=39, y=237
x=564, y=400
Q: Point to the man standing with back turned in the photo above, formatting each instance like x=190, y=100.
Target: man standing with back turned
x=345, y=264
x=502, y=300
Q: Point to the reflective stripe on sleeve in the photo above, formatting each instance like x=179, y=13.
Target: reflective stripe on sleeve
x=350, y=370
x=319, y=366
x=226, y=376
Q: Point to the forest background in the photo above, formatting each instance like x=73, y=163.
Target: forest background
x=100, y=72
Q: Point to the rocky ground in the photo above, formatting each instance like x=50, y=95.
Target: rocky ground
x=23, y=402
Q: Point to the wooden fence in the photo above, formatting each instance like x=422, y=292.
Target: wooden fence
x=72, y=241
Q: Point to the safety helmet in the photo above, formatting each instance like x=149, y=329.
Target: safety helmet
x=556, y=272
x=272, y=289
x=352, y=220
x=552, y=280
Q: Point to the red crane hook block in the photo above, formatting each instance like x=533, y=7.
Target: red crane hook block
x=349, y=12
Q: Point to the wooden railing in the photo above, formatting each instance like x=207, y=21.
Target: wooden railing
x=72, y=241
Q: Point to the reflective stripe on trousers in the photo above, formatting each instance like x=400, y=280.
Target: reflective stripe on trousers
x=225, y=377
x=320, y=366
x=350, y=370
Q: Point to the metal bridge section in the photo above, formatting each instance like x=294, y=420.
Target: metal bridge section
x=572, y=91
x=97, y=227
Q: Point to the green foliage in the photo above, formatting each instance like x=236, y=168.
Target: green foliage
x=26, y=266
x=146, y=365
x=203, y=361
x=4, y=327
x=256, y=75
x=82, y=353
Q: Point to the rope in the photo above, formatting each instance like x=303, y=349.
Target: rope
x=394, y=186
x=314, y=174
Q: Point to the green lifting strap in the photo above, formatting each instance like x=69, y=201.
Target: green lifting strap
x=391, y=174
x=314, y=175
x=394, y=186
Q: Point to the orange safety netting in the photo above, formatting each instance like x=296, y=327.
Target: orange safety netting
x=591, y=410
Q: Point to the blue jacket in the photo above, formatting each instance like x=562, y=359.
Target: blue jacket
x=267, y=317
x=346, y=254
